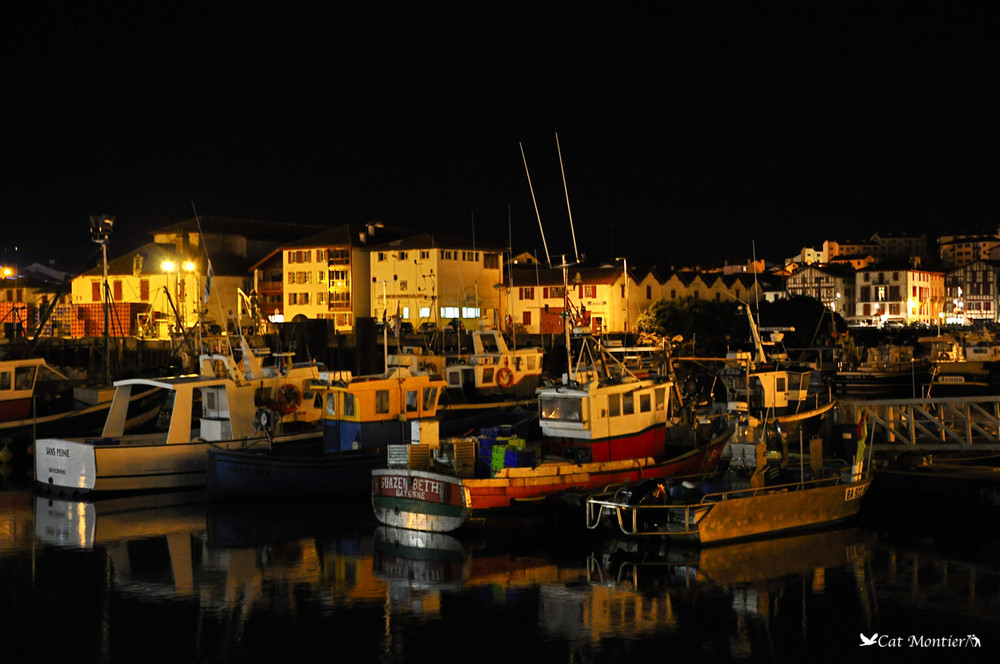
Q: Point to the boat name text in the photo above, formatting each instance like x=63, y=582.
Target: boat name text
x=854, y=492
x=56, y=451
x=414, y=485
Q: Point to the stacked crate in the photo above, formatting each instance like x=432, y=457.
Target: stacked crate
x=500, y=447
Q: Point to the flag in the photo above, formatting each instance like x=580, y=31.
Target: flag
x=397, y=321
x=208, y=282
x=859, y=460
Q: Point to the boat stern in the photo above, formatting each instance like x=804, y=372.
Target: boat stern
x=65, y=465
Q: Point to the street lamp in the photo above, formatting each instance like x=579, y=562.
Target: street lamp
x=101, y=226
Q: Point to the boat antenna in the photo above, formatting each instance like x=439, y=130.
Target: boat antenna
x=535, y=203
x=572, y=230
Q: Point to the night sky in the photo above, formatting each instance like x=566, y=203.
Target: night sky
x=689, y=135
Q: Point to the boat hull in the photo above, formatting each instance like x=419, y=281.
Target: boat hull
x=243, y=472
x=436, y=502
x=78, y=467
x=736, y=515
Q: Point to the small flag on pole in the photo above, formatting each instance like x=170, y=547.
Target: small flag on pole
x=208, y=282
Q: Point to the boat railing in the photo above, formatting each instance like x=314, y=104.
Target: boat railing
x=681, y=519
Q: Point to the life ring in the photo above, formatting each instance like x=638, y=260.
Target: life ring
x=505, y=377
x=289, y=398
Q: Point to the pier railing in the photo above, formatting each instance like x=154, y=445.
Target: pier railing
x=928, y=425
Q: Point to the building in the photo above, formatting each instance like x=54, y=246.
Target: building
x=958, y=250
x=972, y=294
x=437, y=278
x=325, y=275
x=899, y=291
x=829, y=283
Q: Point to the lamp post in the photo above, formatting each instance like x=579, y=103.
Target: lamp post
x=101, y=226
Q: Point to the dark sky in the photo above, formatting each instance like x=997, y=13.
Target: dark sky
x=689, y=135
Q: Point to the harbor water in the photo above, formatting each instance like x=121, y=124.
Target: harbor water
x=172, y=577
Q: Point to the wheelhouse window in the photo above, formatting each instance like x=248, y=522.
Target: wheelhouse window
x=561, y=408
x=381, y=401
x=430, y=398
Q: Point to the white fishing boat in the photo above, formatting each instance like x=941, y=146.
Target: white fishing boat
x=226, y=406
x=495, y=370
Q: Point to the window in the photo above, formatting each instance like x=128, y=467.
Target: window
x=614, y=405
x=402, y=285
x=491, y=261
x=526, y=318
x=425, y=255
x=291, y=277
x=403, y=255
x=488, y=375
x=526, y=293
x=350, y=404
x=470, y=312
x=95, y=291
x=430, y=398
x=144, y=290
x=644, y=403
x=425, y=312
x=382, y=401
x=380, y=256
x=449, y=312
x=411, y=401
x=628, y=403
x=649, y=292
x=24, y=378
x=588, y=291
x=117, y=288
x=560, y=408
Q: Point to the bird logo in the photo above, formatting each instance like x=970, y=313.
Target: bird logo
x=865, y=641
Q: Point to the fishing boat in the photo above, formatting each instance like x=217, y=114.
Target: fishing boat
x=494, y=370
x=968, y=366
x=888, y=370
x=360, y=419
x=231, y=403
x=760, y=494
x=39, y=400
x=602, y=425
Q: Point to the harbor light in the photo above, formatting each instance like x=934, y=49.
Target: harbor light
x=168, y=266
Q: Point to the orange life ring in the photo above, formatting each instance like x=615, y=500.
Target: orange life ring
x=505, y=377
x=289, y=398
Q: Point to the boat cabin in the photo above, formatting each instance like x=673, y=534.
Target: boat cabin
x=374, y=411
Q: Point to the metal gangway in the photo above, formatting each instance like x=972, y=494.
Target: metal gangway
x=954, y=424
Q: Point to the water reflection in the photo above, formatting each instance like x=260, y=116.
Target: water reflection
x=249, y=581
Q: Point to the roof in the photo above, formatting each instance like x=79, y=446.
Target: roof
x=275, y=231
x=433, y=241
x=152, y=256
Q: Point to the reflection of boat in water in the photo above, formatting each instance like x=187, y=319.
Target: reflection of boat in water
x=639, y=562
x=255, y=521
x=83, y=524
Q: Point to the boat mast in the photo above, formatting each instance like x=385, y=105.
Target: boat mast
x=565, y=264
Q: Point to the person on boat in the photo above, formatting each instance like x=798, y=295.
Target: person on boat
x=651, y=492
